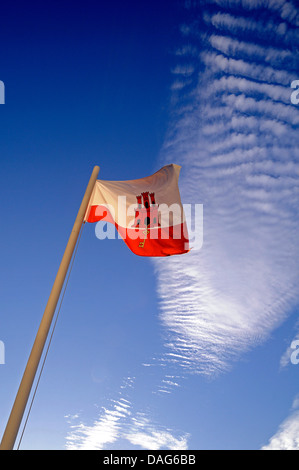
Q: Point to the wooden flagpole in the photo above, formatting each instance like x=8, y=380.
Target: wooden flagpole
x=17, y=412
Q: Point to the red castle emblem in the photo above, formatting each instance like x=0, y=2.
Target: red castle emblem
x=146, y=214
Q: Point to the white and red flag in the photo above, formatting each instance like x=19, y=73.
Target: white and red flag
x=147, y=212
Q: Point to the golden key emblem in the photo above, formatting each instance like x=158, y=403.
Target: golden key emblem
x=145, y=232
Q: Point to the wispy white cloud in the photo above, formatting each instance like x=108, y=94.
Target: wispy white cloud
x=185, y=70
x=287, y=435
x=249, y=125
x=270, y=109
x=145, y=435
x=235, y=135
x=186, y=51
x=237, y=24
x=239, y=67
x=285, y=9
x=233, y=84
x=120, y=425
x=253, y=51
x=101, y=432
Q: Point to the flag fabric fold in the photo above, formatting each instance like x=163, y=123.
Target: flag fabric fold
x=147, y=212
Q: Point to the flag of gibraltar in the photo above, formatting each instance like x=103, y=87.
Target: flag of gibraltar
x=147, y=212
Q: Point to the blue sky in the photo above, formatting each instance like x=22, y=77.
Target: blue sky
x=191, y=352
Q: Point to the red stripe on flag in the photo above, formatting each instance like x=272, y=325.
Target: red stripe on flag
x=156, y=242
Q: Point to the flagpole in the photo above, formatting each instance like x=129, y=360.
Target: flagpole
x=16, y=415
